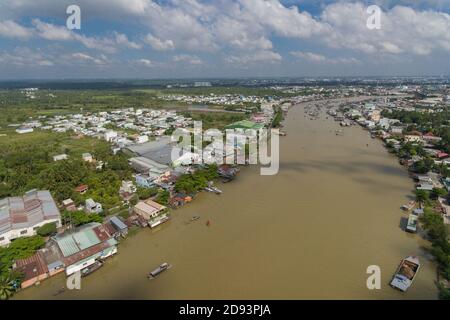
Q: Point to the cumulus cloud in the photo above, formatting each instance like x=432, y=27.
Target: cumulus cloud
x=158, y=44
x=11, y=29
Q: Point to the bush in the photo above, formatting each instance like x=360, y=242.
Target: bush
x=47, y=229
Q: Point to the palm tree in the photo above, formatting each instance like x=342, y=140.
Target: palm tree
x=6, y=288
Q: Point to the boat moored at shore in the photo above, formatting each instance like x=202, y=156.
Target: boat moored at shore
x=405, y=274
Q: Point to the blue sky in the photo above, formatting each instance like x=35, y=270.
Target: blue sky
x=223, y=38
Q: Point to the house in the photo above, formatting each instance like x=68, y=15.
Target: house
x=93, y=207
x=22, y=216
x=69, y=205
x=110, y=135
x=152, y=212
x=425, y=186
x=81, y=189
x=84, y=246
x=128, y=187
x=60, y=157
x=142, y=139
x=146, y=180
x=24, y=130
x=87, y=157
x=120, y=227
x=43, y=264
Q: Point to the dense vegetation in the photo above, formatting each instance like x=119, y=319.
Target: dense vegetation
x=194, y=182
x=29, y=164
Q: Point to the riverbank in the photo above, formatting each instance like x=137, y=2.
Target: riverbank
x=308, y=232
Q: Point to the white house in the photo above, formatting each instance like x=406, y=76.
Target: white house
x=93, y=207
x=22, y=216
x=24, y=130
x=60, y=157
x=110, y=135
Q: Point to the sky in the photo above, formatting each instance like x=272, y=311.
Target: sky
x=223, y=38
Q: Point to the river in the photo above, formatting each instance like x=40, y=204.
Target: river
x=309, y=232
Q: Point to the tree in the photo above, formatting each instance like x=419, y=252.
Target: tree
x=145, y=193
x=47, y=229
x=6, y=288
x=163, y=197
x=422, y=195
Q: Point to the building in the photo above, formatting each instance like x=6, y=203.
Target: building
x=24, y=130
x=143, y=165
x=147, y=180
x=118, y=227
x=110, y=135
x=60, y=157
x=81, y=189
x=93, y=207
x=152, y=212
x=84, y=246
x=87, y=157
x=127, y=187
x=22, y=216
x=69, y=205
x=43, y=264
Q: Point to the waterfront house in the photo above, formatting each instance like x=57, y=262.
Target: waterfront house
x=22, y=216
x=84, y=246
x=152, y=212
x=43, y=264
x=120, y=228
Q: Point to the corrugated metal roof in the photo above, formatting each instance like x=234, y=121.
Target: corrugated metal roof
x=84, y=237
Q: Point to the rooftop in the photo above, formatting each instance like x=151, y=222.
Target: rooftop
x=26, y=211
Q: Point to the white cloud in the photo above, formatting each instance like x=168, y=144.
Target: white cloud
x=122, y=40
x=83, y=57
x=11, y=29
x=319, y=58
x=189, y=59
x=158, y=44
x=258, y=57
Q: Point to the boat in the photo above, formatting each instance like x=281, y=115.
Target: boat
x=213, y=189
x=162, y=267
x=409, y=206
x=92, y=268
x=195, y=218
x=412, y=223
x=405, y=274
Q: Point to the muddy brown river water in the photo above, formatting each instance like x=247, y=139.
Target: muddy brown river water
x=308, y=232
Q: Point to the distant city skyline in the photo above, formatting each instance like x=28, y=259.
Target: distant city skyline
x=145, y=39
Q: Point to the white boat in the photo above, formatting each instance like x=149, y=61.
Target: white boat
x=405, y=274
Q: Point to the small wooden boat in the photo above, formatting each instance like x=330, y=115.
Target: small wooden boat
x=162, y=267
x=409, y=206
x=195, y=218
x=405, y=274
